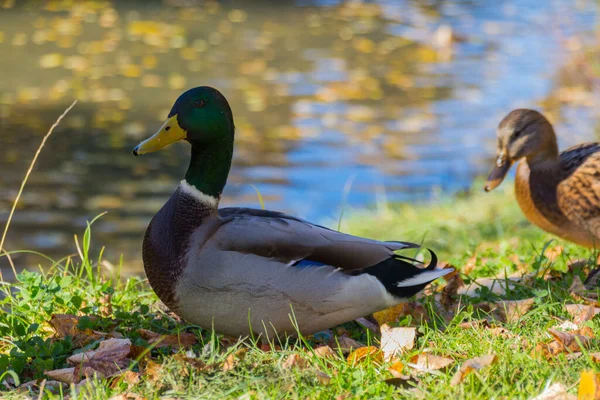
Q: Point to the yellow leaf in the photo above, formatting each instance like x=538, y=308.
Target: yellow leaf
x=588, y=386
x=396, y=369
x=370, y=353
x=391, y=314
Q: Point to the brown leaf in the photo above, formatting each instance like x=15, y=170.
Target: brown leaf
x=450, y=291
x=471, y=365
x=470, y=265
x=294, y=361
x=370, y=353
x=564, y=342
x=425, y=361
x=130, y=377
x=577, y=287
x=324, y=352
x=501, y=332
x=111, y=349
x=581, y=313
x=396, y=340
x=345, y=344
x=65, y=325
x=191, y=364
x=65, y=375
x=367, y=324
x=475, y=324
x=153, y=371
x=451, y=275
x=109, y=359
x=322, y=377
x=570, y=341
x=589, y=386
x=552, y=253
x=593, y=280
x=233, y=359
x=513, y=310
x=182, y=340
x=106, y=305
x=595, y=357
x=556, y=391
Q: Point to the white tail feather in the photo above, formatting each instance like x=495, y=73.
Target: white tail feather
x=424, y=277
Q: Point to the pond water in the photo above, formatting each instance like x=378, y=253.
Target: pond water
x=393, y=100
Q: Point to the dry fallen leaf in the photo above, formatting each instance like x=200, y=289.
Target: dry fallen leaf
x=65, y=375
x=475, y=324
x=501, y=332
x=449, y=293
x=130, y=377
x=233, y=359
x=182, y=340
x=593, y=280
x=513, y=310
x=324, y=352
x=345, y=344
x=109, y=359
x=396, y=370
x=367, y=324
x=570, y=340
x=322, y=377
x=153, y=371
x=191, y=363
x=581, y=313
x=471, y=365
x=556, y=391
x=370, y=353
x=396, y=340
x=66, y=325
x=294, y=361
x=565, y=342
x=595, y=357
x=589, y=386
x=580, y=292
x=552, y=253
x=414, y=309
x=112, y=349
x=425, y=361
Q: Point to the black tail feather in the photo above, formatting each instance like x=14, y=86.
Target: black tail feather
x=396, y=269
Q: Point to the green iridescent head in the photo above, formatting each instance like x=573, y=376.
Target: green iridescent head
x=202, y=117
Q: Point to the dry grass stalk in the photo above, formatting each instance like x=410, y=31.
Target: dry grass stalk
x=24, y=181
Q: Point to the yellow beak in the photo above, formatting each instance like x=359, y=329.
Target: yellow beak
x=168, y=134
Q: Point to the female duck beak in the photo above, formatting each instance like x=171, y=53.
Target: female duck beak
x=498, y=173
x=168, y=134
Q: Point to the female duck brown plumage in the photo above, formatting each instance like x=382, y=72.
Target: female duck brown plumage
x=559, y=192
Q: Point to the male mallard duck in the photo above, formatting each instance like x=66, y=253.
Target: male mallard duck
x=242, y=270
x=560, y=193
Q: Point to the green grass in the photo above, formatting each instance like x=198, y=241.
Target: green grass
x=485, y=229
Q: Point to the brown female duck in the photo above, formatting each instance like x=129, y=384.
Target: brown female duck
x=559, y=192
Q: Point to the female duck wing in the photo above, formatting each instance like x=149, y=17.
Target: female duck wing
x=289, y=239
x=578, y=195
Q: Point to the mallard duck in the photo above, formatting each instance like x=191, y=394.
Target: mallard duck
x=558, y=192
x=243, y=271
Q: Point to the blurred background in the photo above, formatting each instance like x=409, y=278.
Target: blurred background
x=335, y=102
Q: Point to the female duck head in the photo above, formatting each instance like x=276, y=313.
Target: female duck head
x=522, y=134
x=202, y=117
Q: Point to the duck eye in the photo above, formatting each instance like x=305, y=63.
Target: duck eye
x=199, y=103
